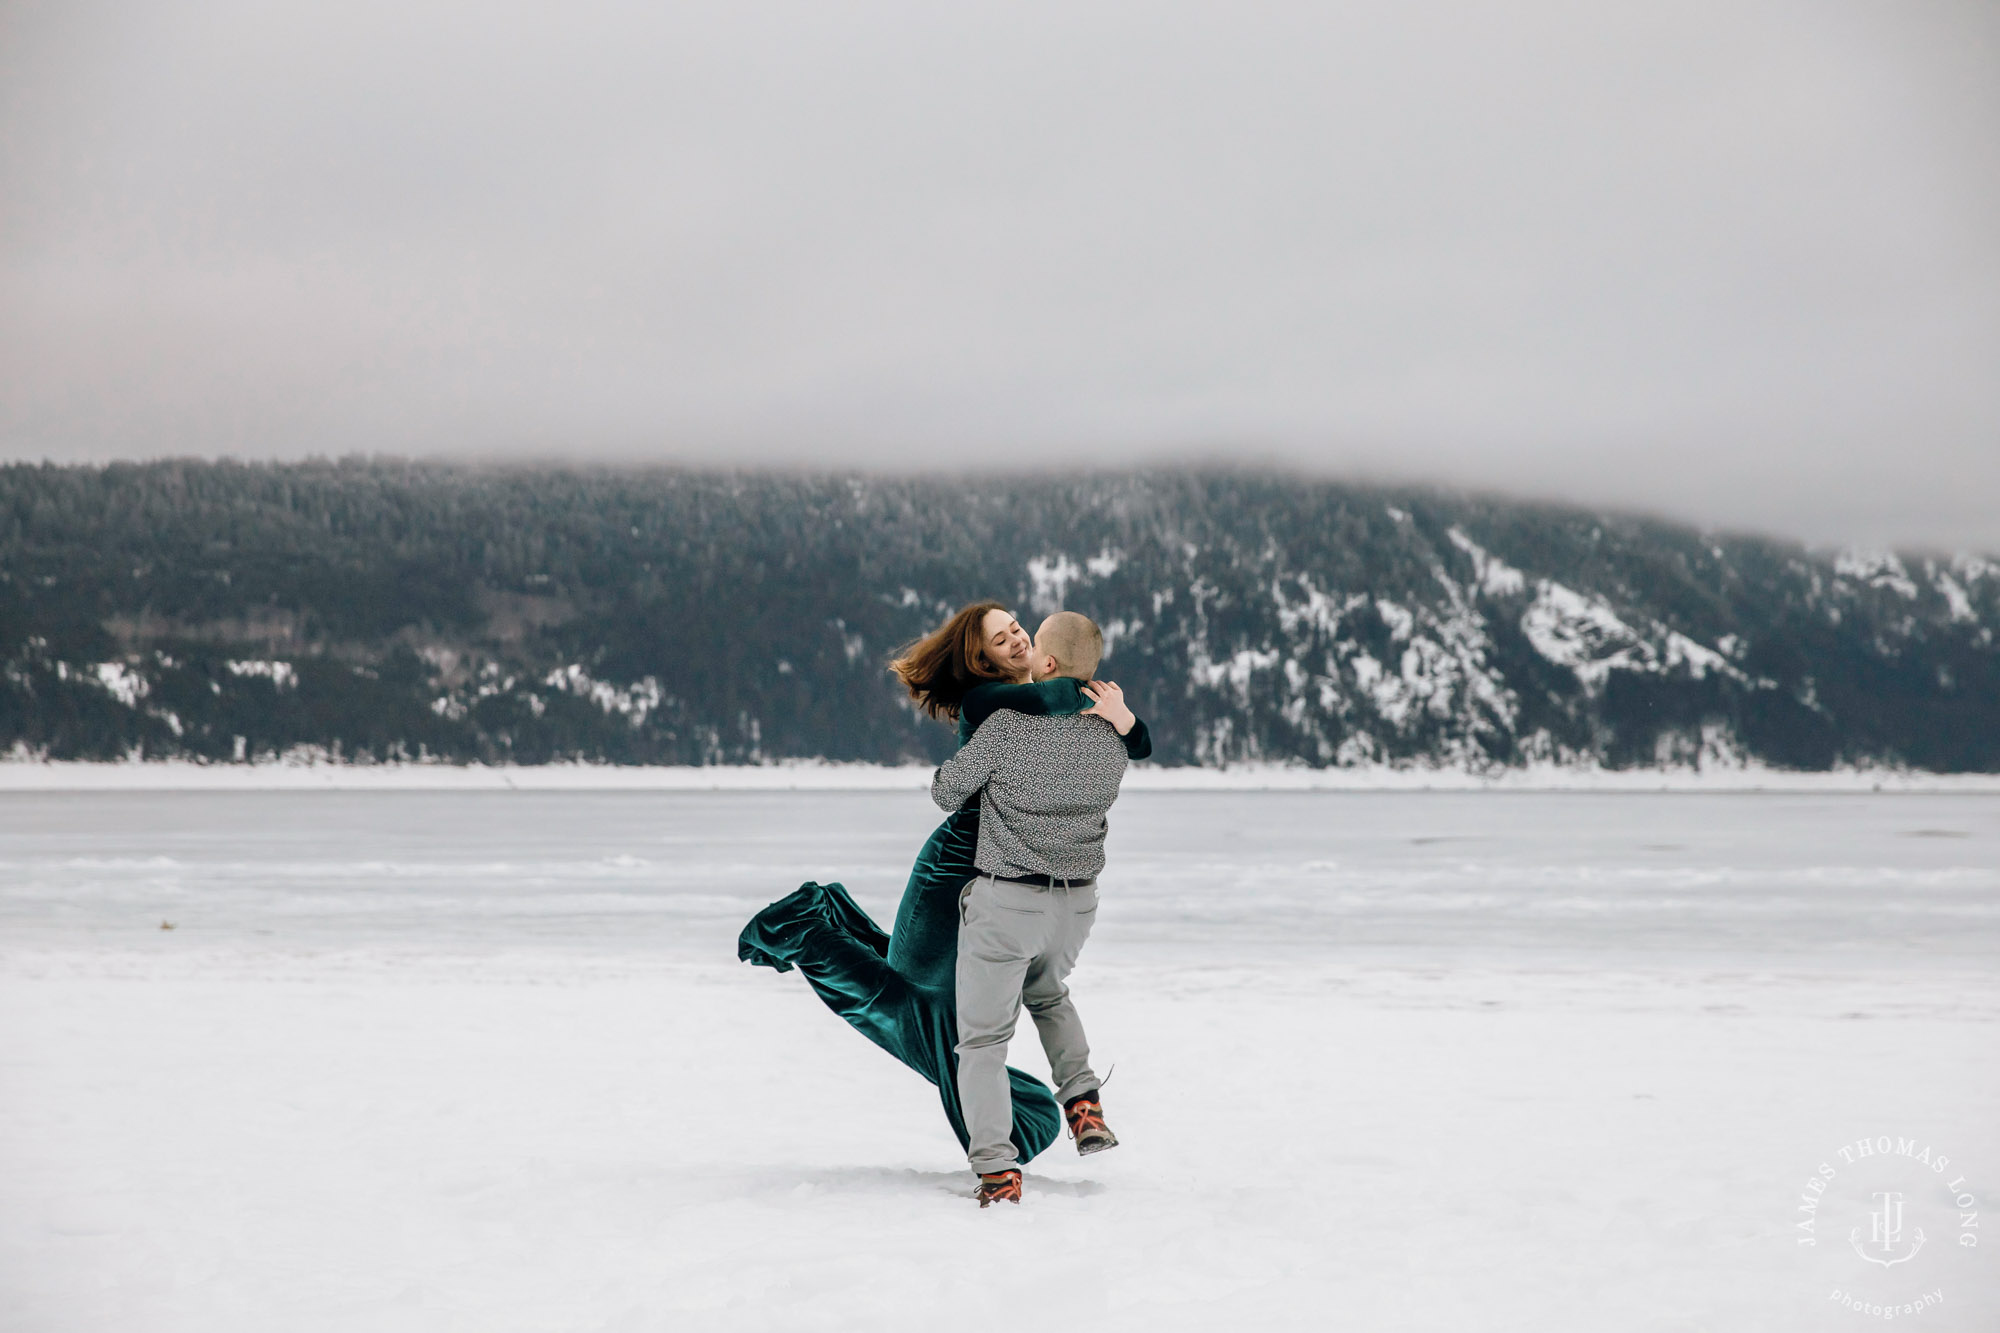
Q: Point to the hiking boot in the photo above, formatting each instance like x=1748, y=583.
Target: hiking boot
x=1000, y=1187
x=1086, y=1125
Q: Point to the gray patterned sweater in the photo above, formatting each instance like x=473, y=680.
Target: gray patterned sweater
x=1044, y=784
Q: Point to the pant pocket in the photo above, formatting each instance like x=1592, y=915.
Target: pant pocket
x=1018, y=900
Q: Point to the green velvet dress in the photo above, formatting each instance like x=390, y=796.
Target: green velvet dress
x=898, y=989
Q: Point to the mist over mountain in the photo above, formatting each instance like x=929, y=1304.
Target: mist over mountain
x=376, y=610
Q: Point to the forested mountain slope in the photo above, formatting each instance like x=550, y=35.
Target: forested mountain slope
x=381, y=610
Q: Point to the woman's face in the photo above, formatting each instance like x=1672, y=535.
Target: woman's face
x=1007, y=645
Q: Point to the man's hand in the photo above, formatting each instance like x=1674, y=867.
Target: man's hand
x=1108, y=702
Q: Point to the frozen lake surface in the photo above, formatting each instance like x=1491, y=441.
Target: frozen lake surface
x=484, y=1060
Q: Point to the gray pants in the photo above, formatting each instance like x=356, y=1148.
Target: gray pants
x=1016, y=943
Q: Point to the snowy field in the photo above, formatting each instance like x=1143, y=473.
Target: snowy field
x=485, y=1061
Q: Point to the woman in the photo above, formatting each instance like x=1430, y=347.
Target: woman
x=897, y=989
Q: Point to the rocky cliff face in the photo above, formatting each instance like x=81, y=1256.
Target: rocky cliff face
x=379, y=610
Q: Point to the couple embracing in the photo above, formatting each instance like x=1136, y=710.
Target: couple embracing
x=1002, y=896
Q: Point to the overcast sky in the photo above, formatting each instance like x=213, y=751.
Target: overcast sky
x=1737, y=262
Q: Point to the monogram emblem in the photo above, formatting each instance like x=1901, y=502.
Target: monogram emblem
x=1885, y=1232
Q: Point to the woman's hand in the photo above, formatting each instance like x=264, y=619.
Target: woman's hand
x=1108, y=702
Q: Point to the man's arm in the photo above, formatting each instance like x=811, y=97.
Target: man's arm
x=960, y=777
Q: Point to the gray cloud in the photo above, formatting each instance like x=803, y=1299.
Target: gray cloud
x=1739, y=262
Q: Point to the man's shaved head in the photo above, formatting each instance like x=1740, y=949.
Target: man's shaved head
x=1074, y=642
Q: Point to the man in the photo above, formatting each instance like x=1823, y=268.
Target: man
x=1044, y=784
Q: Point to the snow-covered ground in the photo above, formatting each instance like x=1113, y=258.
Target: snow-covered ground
x=315, y=769
x=483, y=1060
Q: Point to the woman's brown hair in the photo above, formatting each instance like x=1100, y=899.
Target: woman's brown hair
x=940, y=668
